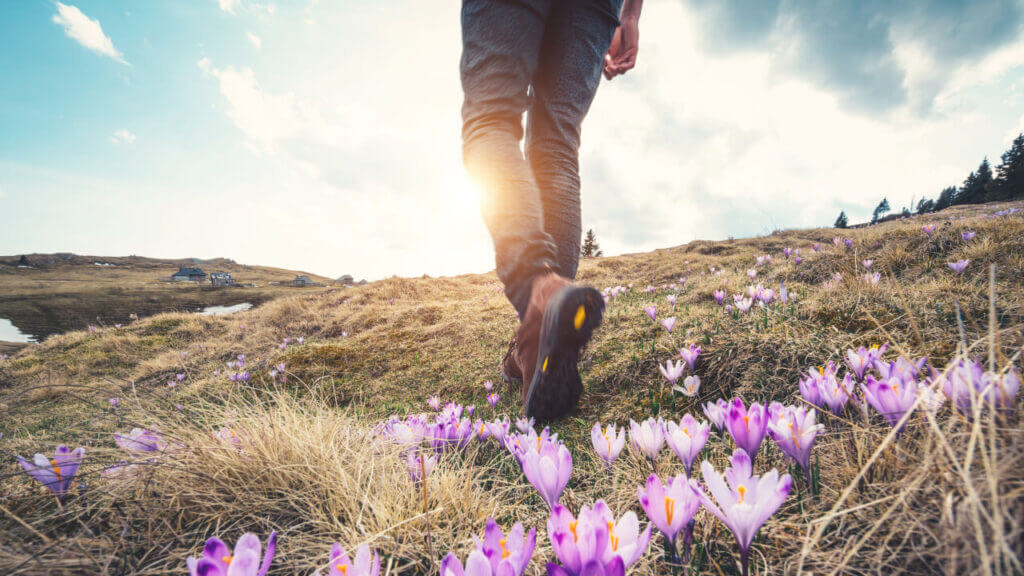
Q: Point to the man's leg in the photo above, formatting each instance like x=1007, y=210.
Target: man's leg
x=575, y=41
x=501, y=41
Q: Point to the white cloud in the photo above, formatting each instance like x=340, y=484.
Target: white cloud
x=229, y=6
x=3, y=193
x=256, y=40
x=123, y=137
x=86, y=31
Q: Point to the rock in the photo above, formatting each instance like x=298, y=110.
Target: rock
x=346, y=279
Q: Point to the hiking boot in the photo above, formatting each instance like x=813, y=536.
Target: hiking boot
x=559, y=320
x=510, y=371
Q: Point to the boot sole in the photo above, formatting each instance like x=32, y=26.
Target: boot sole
x=570, y=319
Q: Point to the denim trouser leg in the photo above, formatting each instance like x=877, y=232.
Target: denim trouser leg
x=509, y=46
x=578, y=35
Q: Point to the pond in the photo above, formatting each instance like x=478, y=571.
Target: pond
x=224, y=310
x=10, y=333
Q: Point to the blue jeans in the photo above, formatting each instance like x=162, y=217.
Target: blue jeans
x=543, y=58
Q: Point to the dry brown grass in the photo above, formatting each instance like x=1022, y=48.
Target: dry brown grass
x=945, y=498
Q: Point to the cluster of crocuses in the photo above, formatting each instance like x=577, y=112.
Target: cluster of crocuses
x=247, y=559
x=288, y=342
x=894, y=388
x=238, y=365
x=451, y=427
x=742, y=501
x=758, y=294
x=673, y=371
x=58, y=473
x=612, y=293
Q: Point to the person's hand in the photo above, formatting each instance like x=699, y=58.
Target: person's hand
x=621, y=56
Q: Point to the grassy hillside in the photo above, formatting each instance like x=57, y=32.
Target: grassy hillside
x=945, y=497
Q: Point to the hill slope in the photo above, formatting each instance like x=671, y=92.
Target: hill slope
x=941, y=498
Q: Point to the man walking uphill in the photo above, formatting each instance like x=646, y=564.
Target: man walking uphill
x=543, y=58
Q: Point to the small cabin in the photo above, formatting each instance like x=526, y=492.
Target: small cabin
x=303, y=281
x=185, y=274
x=221, y=279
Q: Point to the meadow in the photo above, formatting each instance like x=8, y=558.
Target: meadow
x=343, y=416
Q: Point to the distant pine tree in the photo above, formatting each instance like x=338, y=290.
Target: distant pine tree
x=975, y=187
x=590, y=249
x=1009, y=181
x=945, y=198
x=881, y=210
x=925, y=205
x=841, y=221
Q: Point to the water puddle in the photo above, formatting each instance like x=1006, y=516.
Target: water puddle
x=209, y=311
x=10, y=333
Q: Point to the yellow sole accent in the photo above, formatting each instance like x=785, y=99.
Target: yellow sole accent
x=581, y=315
x=544, y=367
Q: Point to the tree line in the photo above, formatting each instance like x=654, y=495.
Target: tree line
x=982, y=185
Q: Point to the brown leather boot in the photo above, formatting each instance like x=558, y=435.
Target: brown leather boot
x=559, y=320
x=510, y=371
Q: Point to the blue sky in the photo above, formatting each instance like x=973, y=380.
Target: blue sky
x=324, y=136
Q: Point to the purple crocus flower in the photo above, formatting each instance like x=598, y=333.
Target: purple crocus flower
x=434, y=402
x=968, y=235
x=862, y=358
x=966, y=382
x=716, y=413
x=743, y=501
x=690, y=355
x=668, y=323
x=607, y=442
x=746, y=426
x=648, y=437
x=420, y=464
x=848, y=242
x=902, y=369
x=687, y=439
x=822, y=388
x=594, y=543
x=867, y=264
x=55, y=473
x=498, y=429
x=671, y=507
x=752, y=273
x=524, y=424
x=548, y=469
x=672, y=371
x=798, y=259
x=492, y=399
x=892, y=397
x=364, y=565
x=671, y=300
x=794, y=429
x=719, y=295
x=139, y=440
x=508, y=554
x=520, y=443
x=959, y=266
x=816, y=246
x=217, y=560
x=651, y=311
x=690, y=387
x=787, y=251
x=928, y=229
x=488, y=385
x=872, y=279
x=744, y=305
x=114, y=402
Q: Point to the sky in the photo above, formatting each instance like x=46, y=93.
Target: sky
x=325, y=135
